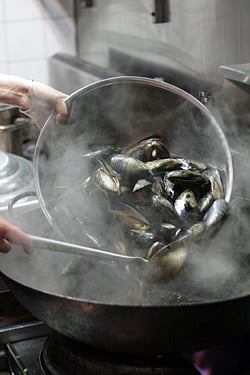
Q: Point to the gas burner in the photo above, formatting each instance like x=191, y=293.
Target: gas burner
x=63, y=356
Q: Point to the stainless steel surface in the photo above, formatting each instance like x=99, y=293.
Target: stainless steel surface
x=70, y=248
x=11, y=137
x=68, y=73
x=166, y=262
x=200, y=36
x=12, y=209
x=7, y=113
x=22, y=331
x=238, y=73
x=236, y=105
x=16, y=176
x=188, y=51
x=19, y=123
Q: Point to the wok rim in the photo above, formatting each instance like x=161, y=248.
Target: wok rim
x=50, y=294
x=190, y=338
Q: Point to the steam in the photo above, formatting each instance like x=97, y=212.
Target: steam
x=120, y=117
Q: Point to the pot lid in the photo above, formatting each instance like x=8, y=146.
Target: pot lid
x=16, y=176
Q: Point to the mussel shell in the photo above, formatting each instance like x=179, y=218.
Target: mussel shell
x=149, y=148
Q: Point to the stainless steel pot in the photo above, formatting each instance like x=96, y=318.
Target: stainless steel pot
x=16, y=176
x=11, y=126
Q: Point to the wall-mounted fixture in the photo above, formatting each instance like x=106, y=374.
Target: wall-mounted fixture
x=161, y=12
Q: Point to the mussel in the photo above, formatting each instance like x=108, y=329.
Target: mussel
x=155, y=199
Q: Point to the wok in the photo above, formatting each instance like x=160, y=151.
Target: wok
x=114, y=310
x=111, y=306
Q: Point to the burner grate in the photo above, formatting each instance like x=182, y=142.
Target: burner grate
x=24, y=356
x=62, y=356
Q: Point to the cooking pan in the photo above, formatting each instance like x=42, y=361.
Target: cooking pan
x=113, y=309
x=108, y=305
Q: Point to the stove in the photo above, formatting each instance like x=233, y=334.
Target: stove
x=29, y=347
x=56, y=355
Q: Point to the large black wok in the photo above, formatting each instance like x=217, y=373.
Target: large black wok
x=111, y=306
x=112, y=309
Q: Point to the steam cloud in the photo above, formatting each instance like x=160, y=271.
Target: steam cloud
x=213, y=268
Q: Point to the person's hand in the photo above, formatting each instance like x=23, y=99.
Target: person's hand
x=10, y=233
x=41, y=101
x=33, y=98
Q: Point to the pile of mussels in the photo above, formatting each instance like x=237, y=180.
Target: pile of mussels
x=149, y=198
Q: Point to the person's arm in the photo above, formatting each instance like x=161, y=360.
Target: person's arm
x=38, y=101
x=35, y=99
x=12, y=89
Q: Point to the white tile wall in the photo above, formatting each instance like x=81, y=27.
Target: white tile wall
x=59, y=35
x=25, y=10
x=3, y=67
x=2, y=15
x=31, y=31
x=35, y=69
x=3, y=50
x=27, y=40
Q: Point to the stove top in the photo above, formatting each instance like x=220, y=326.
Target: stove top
x=47, y=355
x=39, y=356
x=29, y=347
x=24, y=356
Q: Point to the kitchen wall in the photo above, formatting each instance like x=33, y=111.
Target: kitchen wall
x=31, y=31
x=198, y=37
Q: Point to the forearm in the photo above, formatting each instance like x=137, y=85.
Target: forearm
x=13, y=89
x=35, y=99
